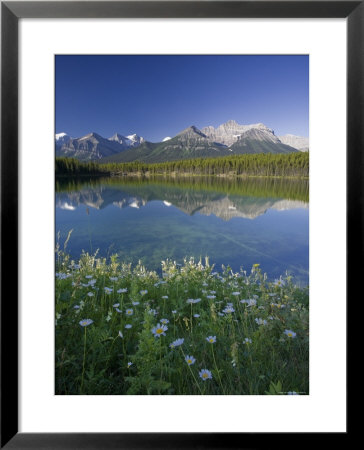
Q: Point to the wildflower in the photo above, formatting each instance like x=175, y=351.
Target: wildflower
x=279, y=282
x=204, y=283
x=228, y=310
x=86, y=322
x=129, y=364
x=153, y=312
x=292, y=393
x=122, y=291
x=221, y=314
x=92, y=282
x=88, y=276
x=118, y=310
x=174, y=312
x=212, y=292
x=159, y=330
x=196, y=315
x=193, y=300
x=290, y=333
x=129, y=312
x=108, y=290
x=135, y=303
x=128, y=326
x=211, y=339
x=210, y=297
x=76, y=307
x=190, y=360
x=177, y=343
x=62, y=276
x=249, y=301
x=205, y=374
x=116, y=305
x=235, y=293
x=261, y=321
x=247, y=341
x=143, y=292
x=90, y=294
x=165, y=296
x=113, y=278
x=120, y=334
x=164, y=321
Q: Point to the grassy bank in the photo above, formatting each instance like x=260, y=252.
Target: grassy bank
x=125, y=330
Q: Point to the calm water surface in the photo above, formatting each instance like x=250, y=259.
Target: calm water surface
x=234, y=222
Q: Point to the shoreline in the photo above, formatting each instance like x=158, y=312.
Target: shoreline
x=176, y=175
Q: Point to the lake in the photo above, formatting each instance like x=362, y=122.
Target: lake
x=237, y=222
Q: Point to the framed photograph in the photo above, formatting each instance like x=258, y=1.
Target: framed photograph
x=181, y=194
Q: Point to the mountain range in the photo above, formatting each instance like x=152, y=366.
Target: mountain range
x=229, y=138
x=224, y=206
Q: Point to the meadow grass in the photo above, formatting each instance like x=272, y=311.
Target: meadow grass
x=192, y=331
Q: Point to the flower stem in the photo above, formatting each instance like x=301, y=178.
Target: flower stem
x=217, y=370
x=84, y=358
x=198, y=386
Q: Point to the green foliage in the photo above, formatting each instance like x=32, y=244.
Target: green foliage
x=260, y=164
x=251, y=352
x=74, y=167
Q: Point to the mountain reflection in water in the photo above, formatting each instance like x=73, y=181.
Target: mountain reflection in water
x=260, y=220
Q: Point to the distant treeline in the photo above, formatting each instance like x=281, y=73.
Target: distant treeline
x=262, y=164
x=74, y=167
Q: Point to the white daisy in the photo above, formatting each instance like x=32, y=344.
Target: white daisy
x=228, y=310
x=86, y=322
x=190, y=360
x=159, y=330
x=205, y=374
x=289, y=333
x=177, y=343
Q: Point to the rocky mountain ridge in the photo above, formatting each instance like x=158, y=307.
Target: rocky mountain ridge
x=226, y=139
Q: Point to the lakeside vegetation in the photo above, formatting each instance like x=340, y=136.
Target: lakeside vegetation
x=125, y=330
x=259, y=165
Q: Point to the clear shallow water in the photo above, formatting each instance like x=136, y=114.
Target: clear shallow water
x=236, y=223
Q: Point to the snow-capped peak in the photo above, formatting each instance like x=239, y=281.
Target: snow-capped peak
x=166, y=139
x=61, y=136
x=135, y=139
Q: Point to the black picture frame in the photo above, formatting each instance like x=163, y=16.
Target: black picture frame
x=11, y=12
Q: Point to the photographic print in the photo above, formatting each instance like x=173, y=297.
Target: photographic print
x=182, y=224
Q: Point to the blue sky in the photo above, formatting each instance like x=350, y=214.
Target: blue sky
x=158, y=96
